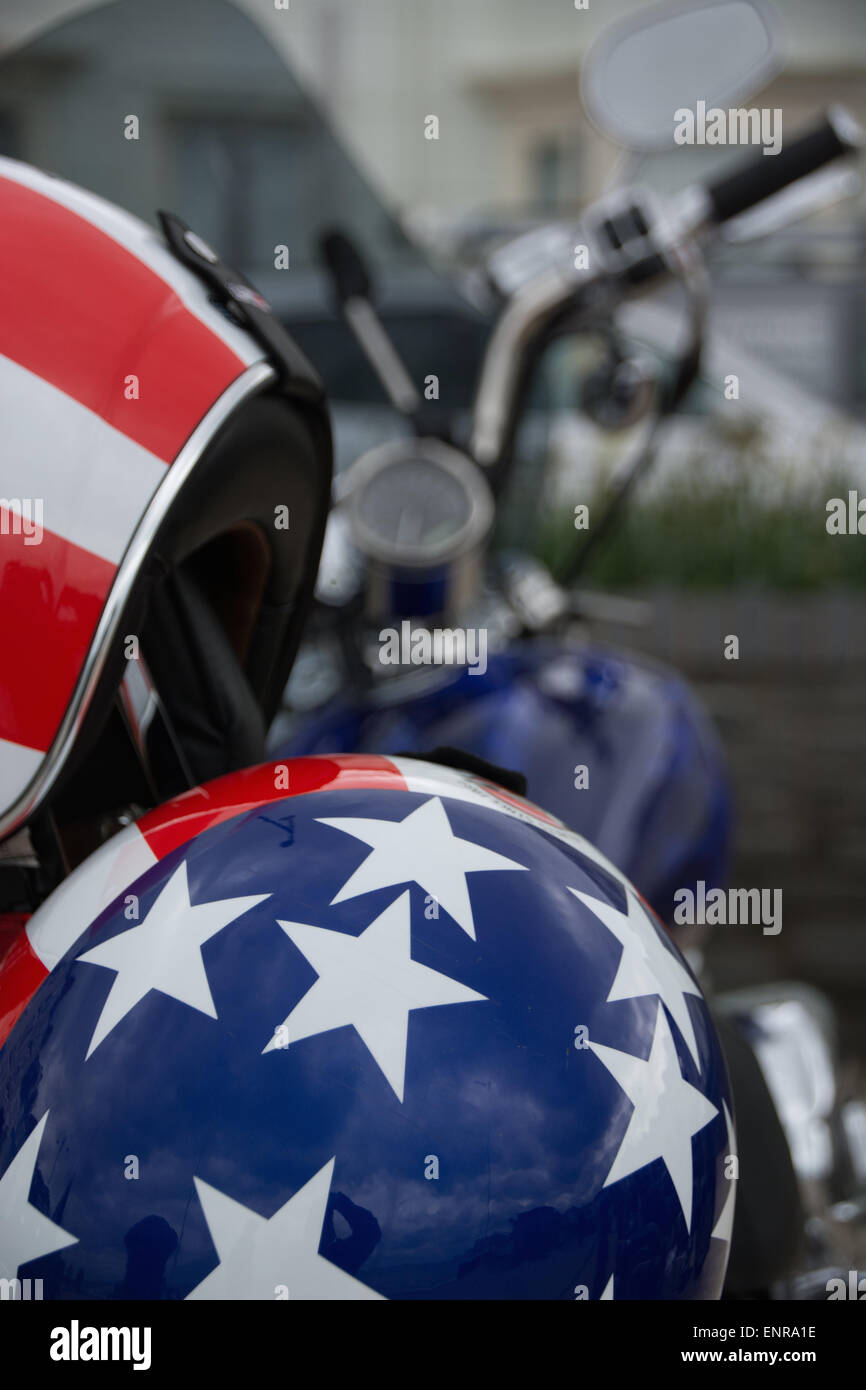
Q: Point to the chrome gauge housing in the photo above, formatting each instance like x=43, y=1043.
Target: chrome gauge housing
x=418, y=513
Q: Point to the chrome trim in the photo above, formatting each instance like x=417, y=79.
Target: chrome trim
x=447, y=459
x=253, y=379
x=18, y=851
x=518, y=325
x=793, y=1040
x=671, y=231
x=141, y=709
x=139, y=702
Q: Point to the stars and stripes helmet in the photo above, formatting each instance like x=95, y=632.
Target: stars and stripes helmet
x=358, y=1028
x=165, y=480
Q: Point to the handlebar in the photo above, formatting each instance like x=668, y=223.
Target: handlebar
x=836, y=134
x=636, y=244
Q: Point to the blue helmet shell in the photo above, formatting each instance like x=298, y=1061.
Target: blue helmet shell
x=511, y=1089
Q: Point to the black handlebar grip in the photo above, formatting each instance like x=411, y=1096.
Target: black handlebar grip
x=837, y=134
x=349, y=274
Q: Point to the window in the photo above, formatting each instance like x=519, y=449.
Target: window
x=547, y=174
x=238, y=182
x=9, y=145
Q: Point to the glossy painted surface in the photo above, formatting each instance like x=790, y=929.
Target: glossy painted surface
x=486, y=1087
x=657, y=803
x=110, y=356
x=30, y=949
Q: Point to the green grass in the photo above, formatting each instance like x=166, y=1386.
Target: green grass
x=694, y=538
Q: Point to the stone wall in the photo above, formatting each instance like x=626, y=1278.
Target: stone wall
x=792, y=714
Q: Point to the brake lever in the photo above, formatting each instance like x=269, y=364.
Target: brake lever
x=812, y=194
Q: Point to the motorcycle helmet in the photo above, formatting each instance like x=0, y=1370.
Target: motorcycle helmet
x=166, y=478
x=358, y=1028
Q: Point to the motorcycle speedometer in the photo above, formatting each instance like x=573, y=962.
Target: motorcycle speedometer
x=416, y=502
x=419, y=512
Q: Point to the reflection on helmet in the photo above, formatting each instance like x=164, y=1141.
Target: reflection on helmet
x=164, y=494
x=359, y=1028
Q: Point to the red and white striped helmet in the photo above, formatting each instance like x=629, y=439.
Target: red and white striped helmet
x=165, y=465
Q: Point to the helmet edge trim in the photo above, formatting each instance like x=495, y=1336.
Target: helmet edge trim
x=249, y=383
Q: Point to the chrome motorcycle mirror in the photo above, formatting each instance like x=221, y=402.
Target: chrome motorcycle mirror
x=642, y=70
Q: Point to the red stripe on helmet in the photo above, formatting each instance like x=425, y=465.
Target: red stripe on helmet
x=51, y=596
x=177, y=821
x=11, y=925
x=21, y=974
x=83, y=313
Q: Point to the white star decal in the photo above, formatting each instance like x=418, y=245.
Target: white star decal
x=27, y=1234
x=646, y=966
x=667, y=1112
x=725, y=1224
x=368, y=982
x=423, y=849
x=259, y=1255
x=164, y=953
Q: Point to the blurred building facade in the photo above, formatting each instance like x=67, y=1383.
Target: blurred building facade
x=503, y=77
x=515, y=145
x=229, y=138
